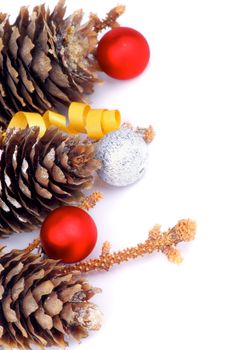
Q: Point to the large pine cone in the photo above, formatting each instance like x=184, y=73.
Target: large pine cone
x=39, y=174
x=47, y=61
x=39, y=306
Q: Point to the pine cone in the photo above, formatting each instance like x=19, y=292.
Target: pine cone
x=39, y=174
x=47, y=61
x=40, y=306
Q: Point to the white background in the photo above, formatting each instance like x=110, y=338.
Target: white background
x=186, y=94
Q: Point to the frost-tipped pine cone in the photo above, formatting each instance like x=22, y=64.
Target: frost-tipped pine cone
x=39, y=174
x=47, y=61
x=39, y=306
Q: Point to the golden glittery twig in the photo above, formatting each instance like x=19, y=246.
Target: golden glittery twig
x=105, y=249
x=89, y=202
x=165, y=242
x=109, y=21
x=32, y=246
x=148, y=134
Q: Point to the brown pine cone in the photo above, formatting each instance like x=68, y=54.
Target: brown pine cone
x=47, y=61
x=40, y=174
x=40, y=306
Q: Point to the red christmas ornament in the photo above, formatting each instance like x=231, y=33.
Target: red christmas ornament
x=123, y=53
x=68, y=234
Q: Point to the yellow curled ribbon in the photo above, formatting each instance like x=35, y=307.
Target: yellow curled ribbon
x=81, y=117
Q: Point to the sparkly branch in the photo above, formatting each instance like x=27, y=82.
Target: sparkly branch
x=165, y=242
x=109, y=21
x=32, y=246
x=89, y=202
x=105, y=249
x=148, y=134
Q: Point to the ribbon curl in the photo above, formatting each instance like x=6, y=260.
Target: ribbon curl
x=81, y=118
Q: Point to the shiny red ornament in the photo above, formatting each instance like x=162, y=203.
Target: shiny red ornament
x=123, y=53
x=68, y=234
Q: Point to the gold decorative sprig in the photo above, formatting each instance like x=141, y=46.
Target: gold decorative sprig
x=165, y=242
x=90, y=201
x=33, y=245
x=110, y=20
x=148, y=134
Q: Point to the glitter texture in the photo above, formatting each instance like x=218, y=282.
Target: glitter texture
x=123, y=154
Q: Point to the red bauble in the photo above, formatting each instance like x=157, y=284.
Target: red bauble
x=68, y=234
x=123, y=53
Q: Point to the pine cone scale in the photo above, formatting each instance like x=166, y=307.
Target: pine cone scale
x=12, y=44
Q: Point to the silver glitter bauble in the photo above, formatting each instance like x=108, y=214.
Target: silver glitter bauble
x=123, y=154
